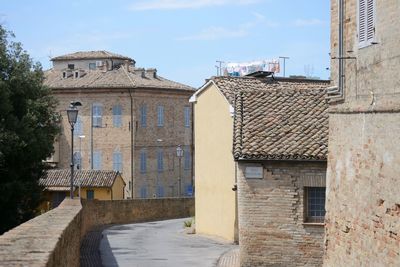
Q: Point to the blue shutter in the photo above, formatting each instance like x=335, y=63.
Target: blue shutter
x=160, y=116
x=78, y=126
x=187, y=117
x=117, y=161
x=117, y=116
x=187, y=159
x=143, y=192
x=143, y=160
x=160, y=161
x=143, y=116
x=97, y=113
x=97, y=160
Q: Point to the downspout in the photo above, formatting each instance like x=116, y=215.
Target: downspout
x=337, y=92
x=131, y=123
x=192, y=145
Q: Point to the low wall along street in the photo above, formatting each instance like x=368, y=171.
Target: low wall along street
x=53, y=239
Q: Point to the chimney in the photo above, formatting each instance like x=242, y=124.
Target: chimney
x=152, y=72
x=67, y=73
x=141, y=72
x=126, y=65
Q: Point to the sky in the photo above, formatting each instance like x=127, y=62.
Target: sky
x=183, y=39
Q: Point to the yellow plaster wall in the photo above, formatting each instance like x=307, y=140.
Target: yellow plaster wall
x=118, y=188
x=214, y=165
x=99, y=193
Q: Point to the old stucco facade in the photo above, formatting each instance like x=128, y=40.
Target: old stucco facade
x=155, y=164
x=363, y=201
x=214, y=167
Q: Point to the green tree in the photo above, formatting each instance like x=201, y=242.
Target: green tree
x=28, y=126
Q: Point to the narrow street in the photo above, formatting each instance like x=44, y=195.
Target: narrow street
x=158, y=244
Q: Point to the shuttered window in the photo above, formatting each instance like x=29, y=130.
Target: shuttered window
x=160, y=116
x=366, y=22
x=78, y=127
x=160, y=161
x=97, y=113
x=97, y=160
x=117, y=161
x=117, y=116
x=143, y=116
x=143, y=161
x=187, y=159
x=187, y=117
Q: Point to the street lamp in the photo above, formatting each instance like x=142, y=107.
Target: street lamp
x=72, y=113
x=179, y=154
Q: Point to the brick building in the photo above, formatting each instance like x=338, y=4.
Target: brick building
x=128, y=114
x=363, y=207
x=280, y=146
x=216, y=202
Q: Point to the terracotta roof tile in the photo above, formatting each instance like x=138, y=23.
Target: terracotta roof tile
x=281, y=124
x=91, y=55
x=231, y=85
x=90, y=178
x=116, y=78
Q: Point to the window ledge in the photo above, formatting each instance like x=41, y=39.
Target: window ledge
x=313, y=224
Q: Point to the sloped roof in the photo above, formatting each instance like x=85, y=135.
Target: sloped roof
x=91, y=55
x=281, y=125
x=89, y=178
x=231, y=85
x=116, y=78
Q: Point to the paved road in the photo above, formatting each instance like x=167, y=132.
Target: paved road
x=158, y=244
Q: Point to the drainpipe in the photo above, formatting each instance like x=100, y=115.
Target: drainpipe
x=337, y=92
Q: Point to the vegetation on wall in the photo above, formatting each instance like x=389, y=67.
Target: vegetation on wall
x=28, y=126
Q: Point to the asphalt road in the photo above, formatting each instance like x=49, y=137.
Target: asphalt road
x=158, y=244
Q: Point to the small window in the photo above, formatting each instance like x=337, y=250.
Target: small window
x=97, y=160
x=143, y=116
x=92, y=66
x=314, y=204
x=186, y=163
x=189, y=190
x=78, y=127
x=143, y=161
x=117, y=161
x=89, y=194
x=187, y=117
x=117, y=116
x=77, y=161
x=143, y=192
x=160, y=161
x=97, y=113
x=71, y=66
x=160, y=116
x=366, y=22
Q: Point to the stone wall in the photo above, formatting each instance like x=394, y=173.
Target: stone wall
x=53, y=239
x=272, y=229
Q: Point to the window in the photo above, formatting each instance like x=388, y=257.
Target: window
x=187, y=117
x=78, y=127
x=92, y=66
x=366, y=22
x=143, y=192
x=143, y=116
x=143, y=163
x=117, y=161
x=97, y=113
x=89, y=194
x=314, y=204
x=71, y=66
x=189, y=190
x=160, y=116
x=186, y=163
x=77, y=161
x=96, y=160
x=117, y=116
x=160, y=191
x=160, y=161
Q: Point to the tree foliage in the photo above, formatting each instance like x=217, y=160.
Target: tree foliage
x=28, y=126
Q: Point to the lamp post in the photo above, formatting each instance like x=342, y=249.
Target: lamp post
x=179, y=154
x=72, y=113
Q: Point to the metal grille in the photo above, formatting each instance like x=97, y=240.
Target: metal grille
x=315, y=204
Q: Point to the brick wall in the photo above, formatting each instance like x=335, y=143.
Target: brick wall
x=363, y=207
x=272, y=231
x=53, y=239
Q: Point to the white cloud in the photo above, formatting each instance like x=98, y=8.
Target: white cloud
x=187, y=4
x=218, y=32
x=308, y=22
